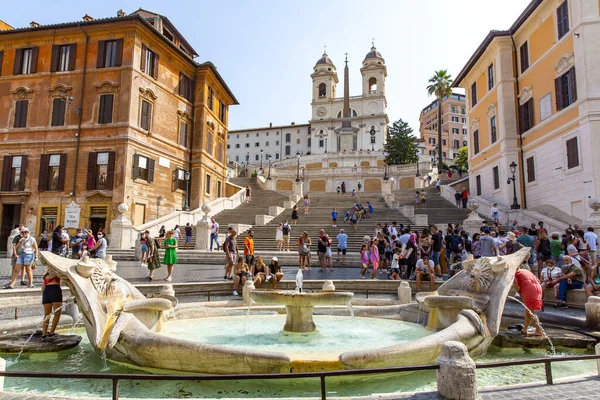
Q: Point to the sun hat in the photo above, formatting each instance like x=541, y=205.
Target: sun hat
x=274, y=259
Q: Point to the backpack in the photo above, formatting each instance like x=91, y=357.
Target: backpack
x=545, y=247
x=286, y=229
x=455, y=244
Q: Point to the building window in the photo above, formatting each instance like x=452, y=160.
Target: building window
x=309, y=142
x=146, y=115
x=431, y=140
x=211, y=98
x=566, y=89
x=256, y=157
x=237, y=158
x=58, y=112
x=496, y=175
x=110, y=53
x=257, y=134
x=149, y=63
x=21, y=107
x=443, y=154
x=277, y=143
x=476, y=142
x=106, y=109
x=322, y=90
x=63, y=58
x=237, y=145
x=13, y=173
x=247, y=145
x=257, y=144
x=25, y=61
x=491, y=77
x=464, y=120
x=186, y=87
x=572, y=153
x=455, y=119
x=456, y=144
x=267, y=143
x=372, y=85
x=207, y=184
x=183, y=134
x=288, y=137
x=526, y=116
x=223, y=111
x=530, y=170
x=143, y=168
x=455, y=131
x=277, y=156
x=478, y=184
x=288, y=150
x=562, y=19
x=443, y=142
x=493, y=129
x=52, y=172
x=297, y=141
x=219, y=189
x=101, y=171
x=464, y=143
x=473, y=94
x=209, y=143
x=464, y=131
x=524, y=53
x=321, y=143
x=453, y=109
x=179, y=182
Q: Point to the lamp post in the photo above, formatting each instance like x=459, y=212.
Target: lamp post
x=186, y=175
x=417, y=153
x=385, y=167
x=268, y=156
x=261, y=158
x=372, y=138
x=513, y=169
x=298, y=154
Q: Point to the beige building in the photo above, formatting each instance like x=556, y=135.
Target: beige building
x=454, y=126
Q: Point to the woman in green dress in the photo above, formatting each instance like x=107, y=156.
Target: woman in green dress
x=170, y=244
x=153, y=256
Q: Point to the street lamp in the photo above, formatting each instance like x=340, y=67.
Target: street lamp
x=513, y=169
x=298, y=154
x=186, y=175
x=385, y=167
x=261, y=158
x=268, y=156
x=417, y=153
x=372, y=138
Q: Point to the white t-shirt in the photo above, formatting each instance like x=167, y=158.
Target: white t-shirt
x=592, y=240
x=214, y=228
x=421, y=266
x=493, y=211
x=438, y=183
x=551, y=273
x=27, y=245
x=395, y=261
x=177, y=233
x=393, y=231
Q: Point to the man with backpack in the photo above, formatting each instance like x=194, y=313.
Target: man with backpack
x=287, y=232
x=231, y=253
x=456, y=245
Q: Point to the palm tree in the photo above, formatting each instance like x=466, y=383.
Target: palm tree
x=440, y=84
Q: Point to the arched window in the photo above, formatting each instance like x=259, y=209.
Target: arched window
x=288, y=150
x=277, y=156
x=256, y=157
x=372, y=85
x=237, y=158
x=247, y=157
x=288, y=137
x=352, y=112
x=322, y=90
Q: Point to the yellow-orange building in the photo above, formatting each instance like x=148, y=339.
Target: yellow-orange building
x=107, y=111
x=533, y=96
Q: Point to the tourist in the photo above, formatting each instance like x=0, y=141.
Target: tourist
x=52, y=300
x=464, y=196
x=425, y=268
x=339, y=191
x=188, y=235
x=543, y=249
x=533, y=231
x=306, y=202
x=90, y=239
x=364, y=259
x=275, y=273
x=370, y=208
x=475, y=246
x=334, y=215
x=593, y=278
x=513, y=226
x=549, y=275
x=241, y=273
x=527, y=240
x=583, y=247
x=170, y=258
x=279, y=236
x=374, y=257
x=393, y=230
x=556, y=249
x=322, y=249
x=359, y=186
x=163, y=231
x=529, y=288
x=418, y=199
x=287, y=232
x=436, y=249
x=304, y=243
x=494, y=212
x=231, y=253
x=438, y=186
x=214, y=234
x=353, y=192
x=410, y=256
x=249, y=248
x=75, y=243
x=26, y=252
x=294, y=215
x=592, y=240
x=423, y=199
x=449, y=174
x=58, y=242
x=153, y=257
x=65, y=237
x=343, y=188
x=353, y=218
x=144, y=249
x=328, y=253
x=248, y=194
x=424, y=248
x=457, y=200
x=395, y=275
x=176, y=233
x=342, y=246
x=486, y=244
x=511, y=245
x=260, y=272
x=428, y=180
x=572, y=278
x=43, y=244
x=85, y=251
x=99, y=249
x=456, y=266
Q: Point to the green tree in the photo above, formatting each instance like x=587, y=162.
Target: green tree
x=401, y=146
x=462, y=158
x=440, y=85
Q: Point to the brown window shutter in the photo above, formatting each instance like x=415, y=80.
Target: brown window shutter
x=91, y=172
x=150, y=170
x=155, y=66
x=72, y=56
x=558, y=90
x=530, y=113
x=573, y=82
x=43, y=176
x=62, y=172
x=143, y=62
x=23, y=173
x=1, y=59
x=173, y=178
x=21, y=107
x=136, y=166
x=54, y=58
x=521, y=118
x=181, y=84
x=18, y=62
x=6, y=165
x=110, y=175
x=58, y=112
x=119, y=57
x=101, y=51
x=34, y=57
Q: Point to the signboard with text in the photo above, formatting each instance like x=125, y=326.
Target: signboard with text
x=72, y=214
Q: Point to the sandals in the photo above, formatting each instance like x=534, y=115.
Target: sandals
x=7, y=286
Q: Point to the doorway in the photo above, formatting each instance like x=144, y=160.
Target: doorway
x=11, y=214
x=98, y=218
x=139, y=214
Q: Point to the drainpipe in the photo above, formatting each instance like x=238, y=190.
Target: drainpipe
x=522, y=156
x=78, y=143
x=192, y=135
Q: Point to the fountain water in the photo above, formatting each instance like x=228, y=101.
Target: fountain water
x=536, y=320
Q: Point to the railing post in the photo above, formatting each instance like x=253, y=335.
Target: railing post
x=115, y=389
x=323, y=389
x=548, y=367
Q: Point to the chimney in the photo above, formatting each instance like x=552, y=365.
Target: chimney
x=270, y=124
x=293, y=123
x=120, y=13
x=87, y=18
x=33, y=24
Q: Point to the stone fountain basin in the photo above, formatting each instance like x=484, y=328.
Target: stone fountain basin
x=305, y=299
x=439, y=301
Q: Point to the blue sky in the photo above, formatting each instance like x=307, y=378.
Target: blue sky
x=265, y=49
